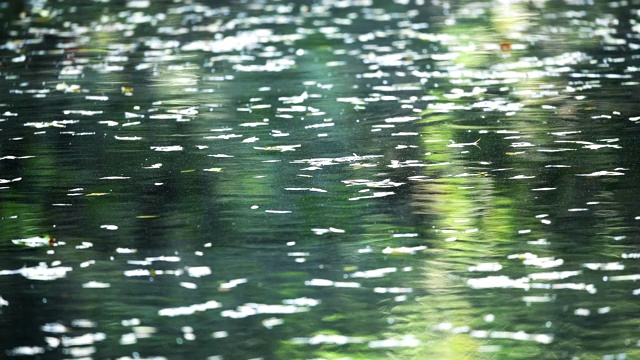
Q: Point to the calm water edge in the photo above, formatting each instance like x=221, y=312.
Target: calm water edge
x=351, y=179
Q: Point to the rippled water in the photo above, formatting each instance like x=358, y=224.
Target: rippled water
x=327, y=179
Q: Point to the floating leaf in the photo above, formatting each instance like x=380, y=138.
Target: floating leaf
x=36, y=241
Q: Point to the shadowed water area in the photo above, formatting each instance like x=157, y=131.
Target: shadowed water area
x=320, y=180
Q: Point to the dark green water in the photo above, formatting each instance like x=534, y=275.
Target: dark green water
x=320, y=180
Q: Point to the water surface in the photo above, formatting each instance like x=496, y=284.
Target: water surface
x=361, y=179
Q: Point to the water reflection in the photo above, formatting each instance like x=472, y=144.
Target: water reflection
x=319, y=180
